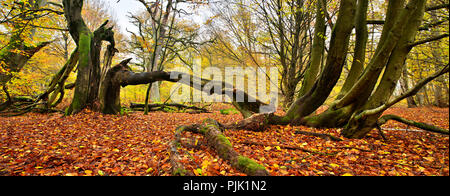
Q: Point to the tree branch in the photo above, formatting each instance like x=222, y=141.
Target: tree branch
x=431, y=39
x=407, y=94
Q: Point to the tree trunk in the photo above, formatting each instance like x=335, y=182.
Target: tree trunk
x=317, y=50
x=335, y=62
x=89, y=46
x=404, y=83
x=359, y=57
x=413, y=14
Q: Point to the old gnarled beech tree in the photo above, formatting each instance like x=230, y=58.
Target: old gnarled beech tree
x=366, y=94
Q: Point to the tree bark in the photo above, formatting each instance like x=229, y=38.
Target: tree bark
x=413, y=14
x=89, y=46
x=359, y=57
x=335, y=62
x=317, y=50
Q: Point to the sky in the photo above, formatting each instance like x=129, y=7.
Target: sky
x=121, y=9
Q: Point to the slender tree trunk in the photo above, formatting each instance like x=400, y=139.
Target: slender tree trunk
x=317, y=50
x=339, y=43
x=359, y=58
x=404, y=83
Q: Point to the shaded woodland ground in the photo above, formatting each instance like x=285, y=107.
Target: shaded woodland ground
x=91, y=143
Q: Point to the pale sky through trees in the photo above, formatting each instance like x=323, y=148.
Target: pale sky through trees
x=120, y=10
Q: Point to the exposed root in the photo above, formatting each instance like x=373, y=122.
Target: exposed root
x=424, y=126
x=177, y=167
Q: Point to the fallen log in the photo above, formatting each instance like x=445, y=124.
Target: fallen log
x=161, y=107
x=212, y=131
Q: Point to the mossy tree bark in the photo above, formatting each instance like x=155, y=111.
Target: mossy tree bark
x=323, y=86
x=89, y=46
x=220, y=143
x=318, y=49
x=412, y=14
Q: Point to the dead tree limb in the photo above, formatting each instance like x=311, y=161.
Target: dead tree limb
x=212, y=131
x=157, y=107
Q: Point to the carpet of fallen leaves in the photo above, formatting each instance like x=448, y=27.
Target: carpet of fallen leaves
x=135, y=144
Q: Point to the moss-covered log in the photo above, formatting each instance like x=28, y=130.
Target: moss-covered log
x=220, y=143
x=178, y=168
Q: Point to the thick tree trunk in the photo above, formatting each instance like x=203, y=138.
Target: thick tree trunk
x=320, y=91
x=359, y=57
x=338, y=117
x=89, y=46
x=359, y=127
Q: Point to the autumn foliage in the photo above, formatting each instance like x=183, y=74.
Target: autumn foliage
x=92, y=144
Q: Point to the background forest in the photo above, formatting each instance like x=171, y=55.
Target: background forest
x=233, y=34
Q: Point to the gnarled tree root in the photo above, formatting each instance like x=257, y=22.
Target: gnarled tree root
x=424, y=126
x=212, y=131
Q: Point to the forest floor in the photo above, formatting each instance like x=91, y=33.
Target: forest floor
x=135, y=144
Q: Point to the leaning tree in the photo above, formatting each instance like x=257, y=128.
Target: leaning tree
x=20, y=17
